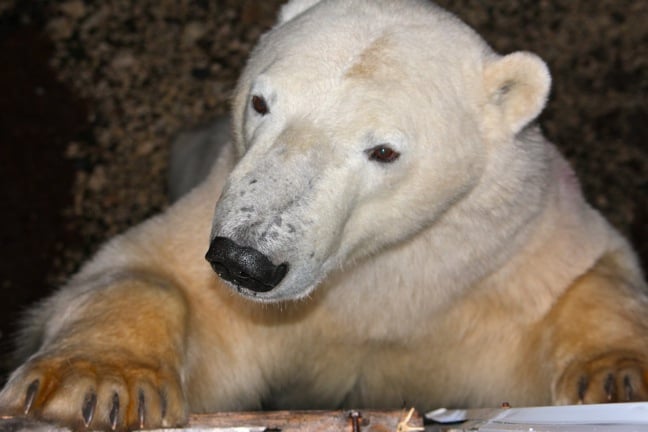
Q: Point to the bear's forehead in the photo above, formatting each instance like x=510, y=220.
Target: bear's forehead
x=377, y=56
x=377, y=48
x=317, y=67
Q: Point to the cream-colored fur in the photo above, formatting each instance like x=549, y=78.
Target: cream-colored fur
x=467, y=272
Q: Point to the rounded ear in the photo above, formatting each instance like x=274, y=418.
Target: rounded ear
x=293, y=8
x=517, y=86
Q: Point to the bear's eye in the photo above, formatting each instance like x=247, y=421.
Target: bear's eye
x=260, y=105
x=383, y=153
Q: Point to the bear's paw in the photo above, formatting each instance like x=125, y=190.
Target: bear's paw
x=101, y=392
x=612, y=377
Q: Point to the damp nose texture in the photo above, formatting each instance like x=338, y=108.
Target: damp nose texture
x=244, y=266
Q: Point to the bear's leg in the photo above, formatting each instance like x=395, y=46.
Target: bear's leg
x=596, y=338
x=113, y=360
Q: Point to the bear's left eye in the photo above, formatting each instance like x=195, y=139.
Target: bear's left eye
x=383, y=153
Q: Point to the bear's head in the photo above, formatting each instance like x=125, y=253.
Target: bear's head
x=359, y=124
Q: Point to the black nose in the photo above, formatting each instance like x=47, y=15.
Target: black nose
x=244, y=266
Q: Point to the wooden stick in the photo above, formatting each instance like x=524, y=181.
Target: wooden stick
x=270, y=421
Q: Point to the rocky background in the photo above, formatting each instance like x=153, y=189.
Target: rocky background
x=92, y=93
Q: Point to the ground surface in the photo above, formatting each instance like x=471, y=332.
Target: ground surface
x=92, y=92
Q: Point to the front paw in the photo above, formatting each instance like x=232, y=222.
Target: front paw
x=611, y=377
x=102, y=392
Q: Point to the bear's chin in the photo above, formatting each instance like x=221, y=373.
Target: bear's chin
x=276, y=295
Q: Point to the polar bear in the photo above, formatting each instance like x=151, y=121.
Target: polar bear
x=390, y=229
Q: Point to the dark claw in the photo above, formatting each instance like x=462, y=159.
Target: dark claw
x=30, y=395
x=610, y=387
x=88, y=409
x=627, y=387
x=163, y=403
x=114, y=412
x=582, y=388
x=141, y=409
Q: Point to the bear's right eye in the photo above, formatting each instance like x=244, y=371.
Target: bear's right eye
x=260, y=105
